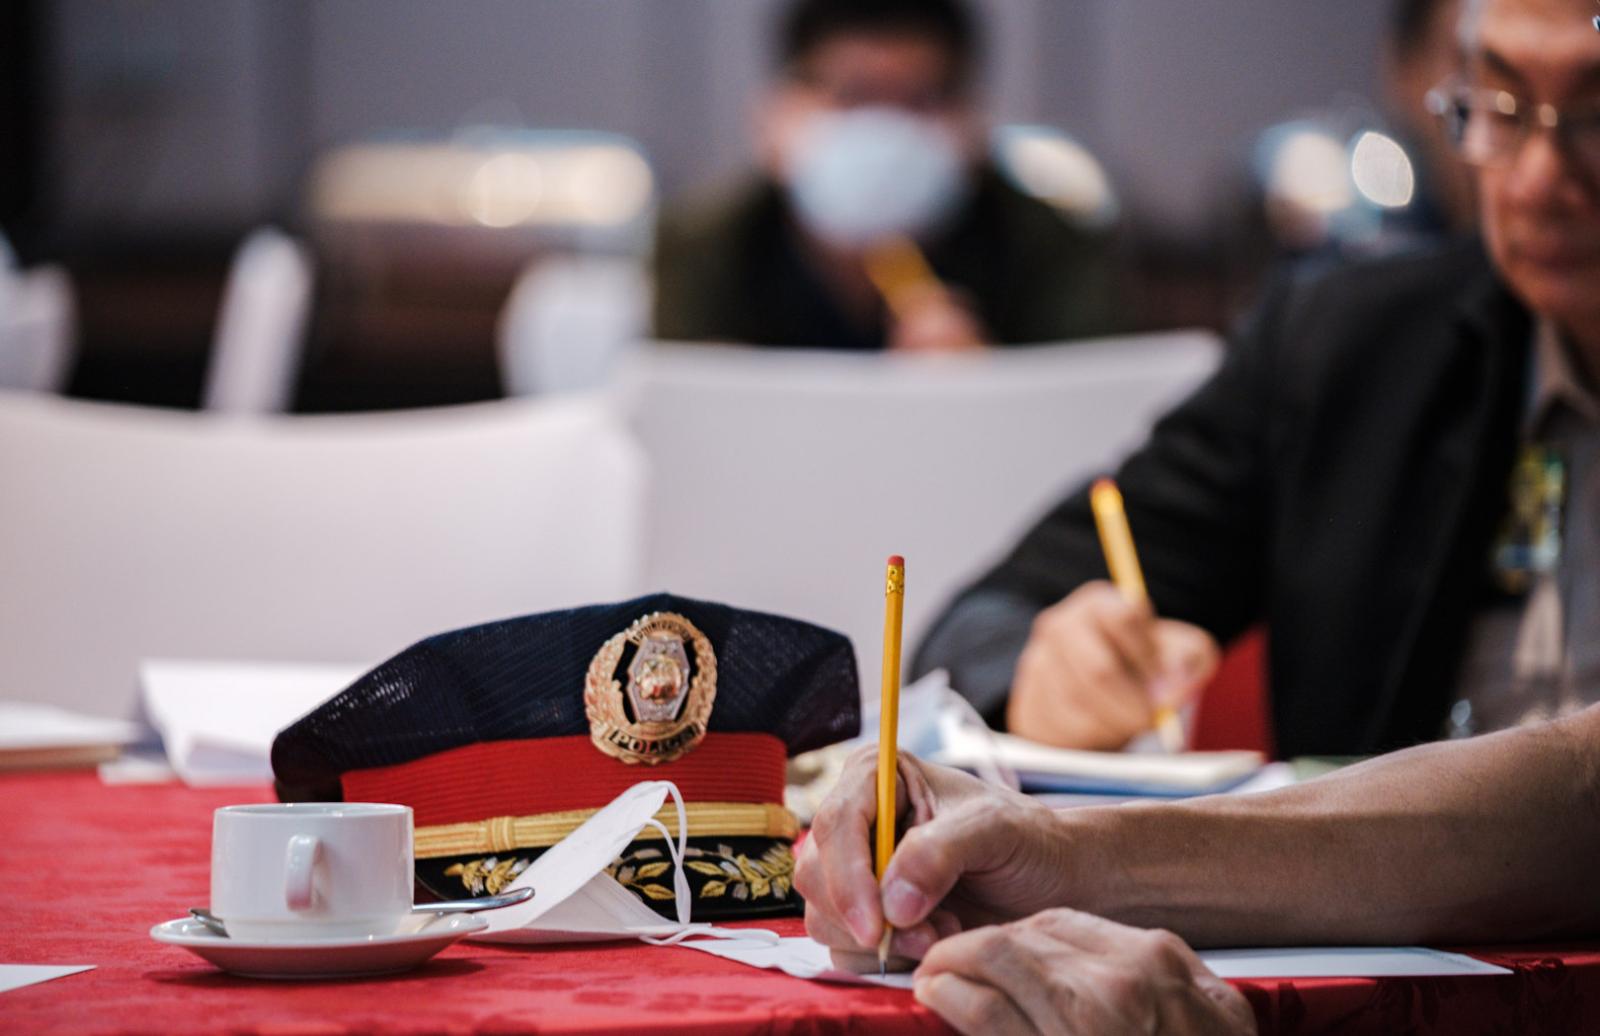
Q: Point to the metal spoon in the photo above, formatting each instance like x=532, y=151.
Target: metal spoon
x=472, y=906
x=215, y=925
x=212, y=922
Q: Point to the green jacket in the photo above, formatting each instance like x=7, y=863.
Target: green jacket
x=733, y=271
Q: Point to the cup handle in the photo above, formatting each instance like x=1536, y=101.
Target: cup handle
x=297, y=871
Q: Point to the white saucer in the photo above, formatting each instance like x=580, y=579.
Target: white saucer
x=342, y=957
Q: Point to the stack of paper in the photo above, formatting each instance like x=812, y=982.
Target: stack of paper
x=1042, y=768
x=217, y=719
x=35, y=737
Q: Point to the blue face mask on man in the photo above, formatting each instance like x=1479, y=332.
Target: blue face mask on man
x=864, y=174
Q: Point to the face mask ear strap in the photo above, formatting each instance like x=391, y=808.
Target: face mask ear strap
x=680, y=887
x=680, y=882
x=677, y=850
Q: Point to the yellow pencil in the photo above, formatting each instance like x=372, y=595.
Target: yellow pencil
x=900, y=272
x=894, y=594
x=1116, y=539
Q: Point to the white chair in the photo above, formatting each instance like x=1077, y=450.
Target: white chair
x=782, y=479
x=255, y=353
x=128, y=533
x=38, y=328
x=569, y=320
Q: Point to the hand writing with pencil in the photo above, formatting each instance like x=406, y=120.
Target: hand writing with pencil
x=1096, y=667
x=970, y=854
x=1100, y=667
x=976, y=892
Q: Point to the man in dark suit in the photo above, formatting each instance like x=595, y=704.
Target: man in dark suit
x=1394, y=469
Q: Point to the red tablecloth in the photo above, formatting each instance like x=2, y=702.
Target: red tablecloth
x=86, y=870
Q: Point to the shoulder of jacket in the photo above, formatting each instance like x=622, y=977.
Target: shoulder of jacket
x=1420, y=280
x=718, y=211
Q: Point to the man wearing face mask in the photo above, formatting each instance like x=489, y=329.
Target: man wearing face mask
x=868, y=142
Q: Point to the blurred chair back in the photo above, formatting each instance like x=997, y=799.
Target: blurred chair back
x=128, y=533
x=568, y=321
x=255, y=354
x=38, y=328
x=782, y=479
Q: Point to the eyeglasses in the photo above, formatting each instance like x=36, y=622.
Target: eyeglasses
x=1488, y=127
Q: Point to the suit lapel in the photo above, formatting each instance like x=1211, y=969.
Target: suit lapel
x=1464, y=488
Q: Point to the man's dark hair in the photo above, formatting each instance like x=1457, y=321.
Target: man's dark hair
x=1409, y=22
x=946, y=22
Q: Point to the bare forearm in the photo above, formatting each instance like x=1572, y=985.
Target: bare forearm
x=1494, y=838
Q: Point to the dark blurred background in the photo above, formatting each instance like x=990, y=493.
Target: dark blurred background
x=140, y=140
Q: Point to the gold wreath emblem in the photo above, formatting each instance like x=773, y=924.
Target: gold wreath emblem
x=670, y=708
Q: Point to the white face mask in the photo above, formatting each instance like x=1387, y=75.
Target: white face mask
x=861, y=175
x=576, y=900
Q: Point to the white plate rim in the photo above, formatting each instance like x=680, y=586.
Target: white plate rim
x=189, y=932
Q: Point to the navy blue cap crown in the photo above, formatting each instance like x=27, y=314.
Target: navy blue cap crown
x=524, y=678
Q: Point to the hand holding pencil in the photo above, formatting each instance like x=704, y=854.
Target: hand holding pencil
x=927, y=316
x=1100, y=667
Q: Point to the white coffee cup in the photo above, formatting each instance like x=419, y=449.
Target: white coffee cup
x=311, y=870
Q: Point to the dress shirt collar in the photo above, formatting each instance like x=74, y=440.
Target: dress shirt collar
x=1559, y=381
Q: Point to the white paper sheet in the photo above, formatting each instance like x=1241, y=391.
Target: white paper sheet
x=805, y=958
x=39, y=737
x=138, y=767
x=217, y=719
x=1061, y=769
x=28, y=725
x=1270, y=777
x=15, y=976
x=1344, y=962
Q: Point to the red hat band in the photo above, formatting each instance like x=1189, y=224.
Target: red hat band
x=732, y=784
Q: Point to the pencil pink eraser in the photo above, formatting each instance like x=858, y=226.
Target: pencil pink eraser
x=895, y=559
